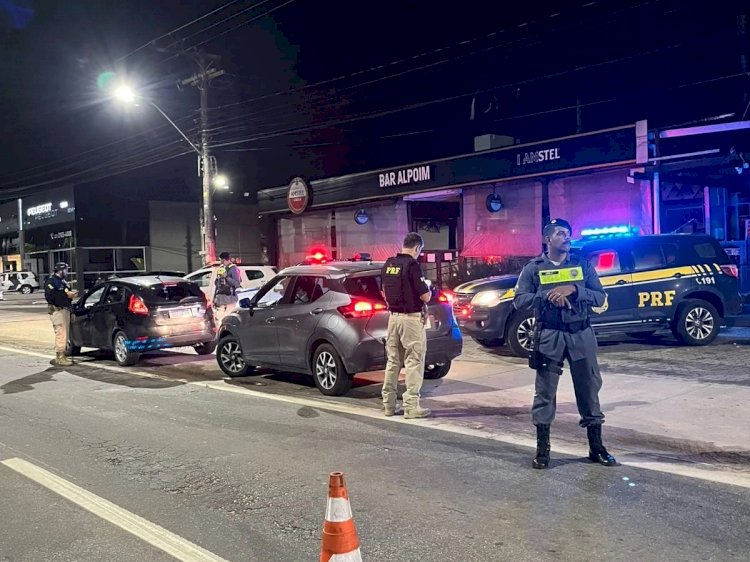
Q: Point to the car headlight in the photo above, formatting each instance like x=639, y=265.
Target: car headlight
x=489, y=298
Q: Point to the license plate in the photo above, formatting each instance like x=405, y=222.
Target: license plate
x=180, y=313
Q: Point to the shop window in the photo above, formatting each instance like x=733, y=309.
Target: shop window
x=648, y=256
x=130, y=259
x=606, y=262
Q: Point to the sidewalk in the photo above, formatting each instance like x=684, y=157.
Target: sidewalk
x=663, y=417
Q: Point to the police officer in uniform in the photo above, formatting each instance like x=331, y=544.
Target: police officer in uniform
x=407, y=296
x=562, y=289
x=59, y=295
x=227, y=282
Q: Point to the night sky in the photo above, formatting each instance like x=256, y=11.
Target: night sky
x=322, y=88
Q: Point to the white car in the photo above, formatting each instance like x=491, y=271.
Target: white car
x=25, y=282
x=252, y=277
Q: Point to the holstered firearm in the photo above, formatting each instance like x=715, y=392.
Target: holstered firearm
x=536, y=359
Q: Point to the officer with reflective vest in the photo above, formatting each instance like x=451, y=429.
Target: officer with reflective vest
x=227, y=282
x=59, y=296
x=562, y=289
x=407, y=296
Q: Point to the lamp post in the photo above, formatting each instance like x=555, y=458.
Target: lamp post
x=127, y=95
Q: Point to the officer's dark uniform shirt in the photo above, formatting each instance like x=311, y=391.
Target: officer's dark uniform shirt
x=563, y=329
x=403, y=284
x=54, y=292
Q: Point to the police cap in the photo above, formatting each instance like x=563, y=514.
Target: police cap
x=59, y=266
x=225, y=255
x=549, y=228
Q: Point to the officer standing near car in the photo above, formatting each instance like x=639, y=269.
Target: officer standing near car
x=59, y=296
x=562, y=289
x=227, y=282
x=407, y=295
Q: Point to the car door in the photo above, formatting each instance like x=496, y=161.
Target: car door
x=204, y=279
x=258, y=334
x=612, y=265
x=82, y=318
x=656, y=278
x=297, y=319
x=104, y=315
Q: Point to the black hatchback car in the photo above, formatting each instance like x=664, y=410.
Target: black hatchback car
x=329, y=321
x=134, y=315
x=684, y=283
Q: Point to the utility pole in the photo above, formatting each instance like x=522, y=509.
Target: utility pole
x=207, y=71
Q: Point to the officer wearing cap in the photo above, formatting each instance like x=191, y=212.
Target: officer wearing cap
x=59, y=296
x=227, y=282
x=407, y=295
x=562, y=289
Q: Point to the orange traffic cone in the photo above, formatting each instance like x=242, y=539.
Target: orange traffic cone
x=340, y=541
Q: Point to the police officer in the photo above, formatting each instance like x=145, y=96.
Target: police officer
x=227, y=282
x=59, y=295
x=561, y=289
x=407, y=296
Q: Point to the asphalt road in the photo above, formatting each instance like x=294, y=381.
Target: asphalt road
x=245, y=476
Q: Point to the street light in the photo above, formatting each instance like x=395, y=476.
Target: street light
x=221, y=182
x=124, y=93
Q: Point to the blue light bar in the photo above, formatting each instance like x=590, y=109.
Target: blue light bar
x=609, y=231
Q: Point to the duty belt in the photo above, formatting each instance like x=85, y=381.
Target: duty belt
x=572, y=328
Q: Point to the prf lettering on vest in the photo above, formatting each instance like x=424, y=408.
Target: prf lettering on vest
x=656, y=298
x=392, y=270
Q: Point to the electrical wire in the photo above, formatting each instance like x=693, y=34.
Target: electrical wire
x=180, y=28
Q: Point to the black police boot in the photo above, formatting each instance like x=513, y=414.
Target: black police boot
x=597, y=451
x=542, y=447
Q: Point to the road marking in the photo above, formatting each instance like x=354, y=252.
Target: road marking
x=155, y=535
x=701, y=472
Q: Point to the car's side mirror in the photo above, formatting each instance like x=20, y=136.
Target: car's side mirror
x=246, y=303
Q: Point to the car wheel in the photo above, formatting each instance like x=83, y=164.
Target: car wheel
x=641, y=335
x=329, y=372
x=230, y=360
x=697, y=322
x=205, y=348
x=490, y=343
x=434, y=371
x=123, y=356
x=26, y=289
x=521, y=333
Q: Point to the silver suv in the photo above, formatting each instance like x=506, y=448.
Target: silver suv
x=328, y=321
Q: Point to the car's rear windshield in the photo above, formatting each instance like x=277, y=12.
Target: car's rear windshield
x=365, y=286
x=171, y=292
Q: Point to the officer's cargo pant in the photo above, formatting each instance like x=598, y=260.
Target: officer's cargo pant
x=61, y=323
x=405, y=346
x=587, y=382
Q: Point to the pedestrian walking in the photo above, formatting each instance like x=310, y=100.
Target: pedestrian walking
x=227, y=282
x=407, y=295
x=562, y=289
x=59, y=296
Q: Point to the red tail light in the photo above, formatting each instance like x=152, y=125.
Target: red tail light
x=730, y=270
x=137, y=306
x=361, y=309
x=445, y=296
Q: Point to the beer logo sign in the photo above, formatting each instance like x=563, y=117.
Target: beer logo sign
x=298, y=196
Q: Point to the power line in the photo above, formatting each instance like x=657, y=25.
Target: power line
x=180, y=28
x=247, y=22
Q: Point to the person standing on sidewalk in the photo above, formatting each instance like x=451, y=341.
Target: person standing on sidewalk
x=59, y=296
x=561, y=289
x=407, y=296
x=227, y=282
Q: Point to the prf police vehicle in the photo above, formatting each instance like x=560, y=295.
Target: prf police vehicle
x=684, y=283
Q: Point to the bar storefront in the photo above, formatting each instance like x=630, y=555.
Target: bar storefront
x=480, y=213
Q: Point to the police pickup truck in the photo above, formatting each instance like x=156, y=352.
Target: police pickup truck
x=685, y=283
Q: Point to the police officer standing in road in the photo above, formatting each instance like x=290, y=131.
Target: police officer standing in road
x=407, y=296
x=59, y=295
x=227, y=282
x=562, y=289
